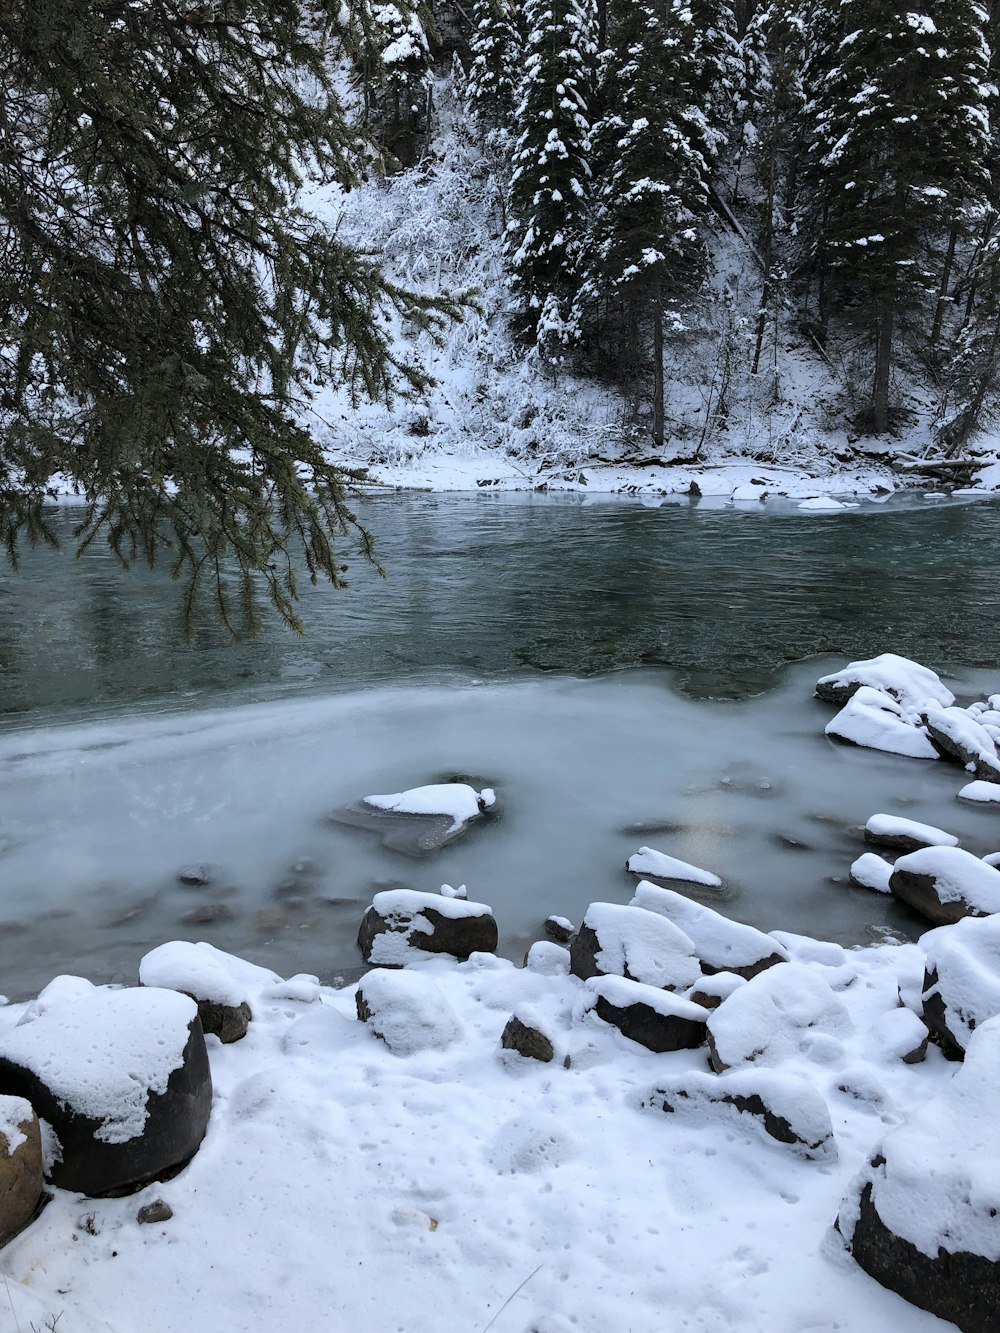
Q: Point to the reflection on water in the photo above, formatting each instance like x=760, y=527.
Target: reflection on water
x=494, y=586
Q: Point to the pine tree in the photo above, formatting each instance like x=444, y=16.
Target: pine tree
x=166, y=306
x=898, y=105
x=390, y=45
x=493, y=73
x=549, y=183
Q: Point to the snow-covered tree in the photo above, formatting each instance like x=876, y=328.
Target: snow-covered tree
x=898, y=117
x=495, y=69
x=551, y=171
x=389, y=43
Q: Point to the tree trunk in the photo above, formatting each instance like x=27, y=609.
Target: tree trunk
x=884, y=329
x=942, y=300
x=658, y=376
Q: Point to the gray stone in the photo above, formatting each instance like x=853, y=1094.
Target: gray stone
x=150, y=1213
x=228, y=1022
x=658, y=1020
x=946, y=884
x=21, y=1176
x=526, y=1040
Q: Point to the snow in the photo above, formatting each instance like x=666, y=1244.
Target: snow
x=622, y=993
x=398, y=905
x=822, y=504
x=958, y=876
x=873, y=720
x=785, y=1012
x=409, y=1012
x=909, y=683
x=966, y=958
x=205, y=973
x=720, y=943
x=648, y=861
x=967, y=734
x=647, y=947
x=939, y=1186
x=101, y=1050
x=896, y=826
x=983, y=793
x=872, y=872
x=458, y=801
x=14, y=1112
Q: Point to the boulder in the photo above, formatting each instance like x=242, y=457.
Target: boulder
x=121, y=1076
x=924, y=1217
x=961, y=981
x=524, y=1034
x=946, y=884
x=981, y=793
x=403, y=925
x=547, y=959
x=720, y=945
x=422, y=819
x=909, y=683
x=785, y=1107
x=898, y=1034
x=407, y=1011
x=785, y=1012
x=874, y=721
x=905, y=835
x=711, y=990
x=647, y=861
x=871, y=872
x=960, y=737
x=21, y=1177
x=633, y=943
x=656, y=1019
x=559, y=929
x=221, y=984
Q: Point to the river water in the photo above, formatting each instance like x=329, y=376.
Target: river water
x=621, y=675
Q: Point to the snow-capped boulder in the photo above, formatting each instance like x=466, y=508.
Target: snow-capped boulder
x=962, y=980
x=898, y=1034
x=407, y=1011
x=525, y=1033
x=784, y=1012
x=547, y=959
x=924, y=1217
x=657, y=1019
x=122, y=1077
x=421, y=819
x=963, y=739
x=874, y=721
x=713, y=988
x=910, y=684
x=981, y=793
x=647, y=861
x=21, y=1177
x=871, y=872
x=946, y=884
x=785, y=1107
x=559, y=929
x=220, y=984
x=719, y=944
x=905, y=835
x=633, y=943
x=403, y=925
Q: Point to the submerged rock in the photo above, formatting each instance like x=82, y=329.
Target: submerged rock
x=420, y=820
x=402, y=925
x=946, y=884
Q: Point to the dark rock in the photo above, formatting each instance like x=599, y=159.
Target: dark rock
x=102, y=1155
x=269, y=919
x=527, y=1041
x=418, y=834
x=905, y=835
x=402, y=919
x=946, y=884
x=158, y=1211
x=559, y=929
x=195, y=876
x=228, y=1022
x=633, y=943
x=658, y=1020
x=960, y=737
x=964, y=1288
x=21, y=1177
x=962, y=981
x=209, y=914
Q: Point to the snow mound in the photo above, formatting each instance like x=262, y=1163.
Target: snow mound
x=870, y=871
x=204, y=972
x=823, y=504
x=910, y=684
x=781, y=1014
x=648, y=861
x=408, y=1011
x=637, y=944
x=875, y=721
x=721, y=945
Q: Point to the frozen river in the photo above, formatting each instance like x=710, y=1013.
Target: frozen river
x=621, y=675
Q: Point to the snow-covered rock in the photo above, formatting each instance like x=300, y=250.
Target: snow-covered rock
x=905, y=835
x=962, y=980
x=421, y=819
x=871, y=872
x=981, y=793
x=525, y=1032
x=874, y=721
x=547, y=959
x=924, y=1217
x=822, y=504
x=786, y=1012
x=898, y=1034
x=963, y=739
x=945, y=884
x=407, y=1011
x=712, y=989
x=785, y=1107
x=221, y=984
x=402, y=926
x=633, y=943
x=910, y=684
x=559, y=928
x=656, y=1019
x=720, y=945
x=122, y=1077
x=21, y=1176
x=657, y=865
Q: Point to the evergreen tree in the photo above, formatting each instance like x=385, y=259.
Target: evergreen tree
x=493, y=73
x=549, y=183
x=389, y=43
x=166, y=306
x=898, y=110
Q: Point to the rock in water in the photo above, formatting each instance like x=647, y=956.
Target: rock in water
x=649, y=862
x=946, y=884
x=633, y=943
x=924, y=1218
x=403, y=925
x=871, y=872
x=422, y=819
x=122, y=1077
x=910, y=684
x=961, y=738
x=787, y=1108
x=874, y=721
x=905, y=835
x=20, y=1166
